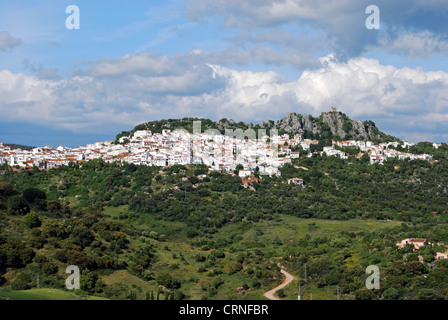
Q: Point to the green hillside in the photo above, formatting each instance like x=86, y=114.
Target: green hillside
x=140, y=232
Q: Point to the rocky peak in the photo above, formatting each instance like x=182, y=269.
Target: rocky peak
x=335, y=123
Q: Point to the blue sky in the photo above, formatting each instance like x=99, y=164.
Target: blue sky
x=136, y=61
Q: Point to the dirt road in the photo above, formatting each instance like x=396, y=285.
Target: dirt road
x=271, y=293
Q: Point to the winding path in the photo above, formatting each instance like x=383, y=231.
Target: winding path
x=271, y=293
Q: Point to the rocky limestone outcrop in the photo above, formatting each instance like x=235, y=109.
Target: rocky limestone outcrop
x=337, y=122
x=225, y=123
x=332, y=124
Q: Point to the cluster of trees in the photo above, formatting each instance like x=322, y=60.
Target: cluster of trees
x=20, y=204
x=335, y=189
x=330, y=263
x=36, y=241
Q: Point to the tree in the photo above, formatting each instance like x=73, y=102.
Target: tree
x=83, y=236
x=193, y=179
x=54, y=206
x=33, y=194
x=17, y=205
x=281, y=293
x=428, y=294
x=132, y=295
x=217, y=254
x=7, y=189
x=391, y=294
x=167, y=281
x=31, y=220
x=363, y=294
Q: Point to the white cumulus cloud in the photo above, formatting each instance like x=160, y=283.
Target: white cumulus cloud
x=116, y=94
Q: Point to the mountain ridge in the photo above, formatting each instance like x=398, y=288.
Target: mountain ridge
x=329, y=125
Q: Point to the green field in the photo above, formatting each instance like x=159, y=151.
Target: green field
x=42, y=294
x=287, y=229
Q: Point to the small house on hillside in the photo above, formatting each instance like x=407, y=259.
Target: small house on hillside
x=249, y=180
x=442, y=255
x=416, y=242
x=296, y=181
x=244, y=173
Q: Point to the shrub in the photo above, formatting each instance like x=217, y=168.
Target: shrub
x=33, y=194
x=281, y=293
x=7, y=189
x=83, y=236
x=17, y=205
x=391, y=294
x=31, y=220
x=428, y=294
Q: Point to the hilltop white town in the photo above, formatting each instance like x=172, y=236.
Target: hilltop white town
x=220, y=152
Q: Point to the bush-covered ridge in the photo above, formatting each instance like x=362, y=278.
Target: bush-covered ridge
x=329, y=125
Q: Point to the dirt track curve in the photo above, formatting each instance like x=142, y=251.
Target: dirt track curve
x=271, y=293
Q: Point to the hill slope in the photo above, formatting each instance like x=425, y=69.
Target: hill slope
x=329, y=125
x=136, y=231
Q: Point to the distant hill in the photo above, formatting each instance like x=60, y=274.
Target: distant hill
x=329, y=125
x=18, y=146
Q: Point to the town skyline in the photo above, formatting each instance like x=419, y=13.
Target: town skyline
x=246, y=151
